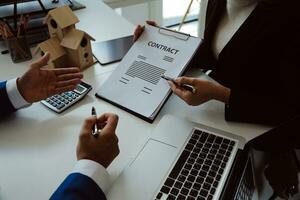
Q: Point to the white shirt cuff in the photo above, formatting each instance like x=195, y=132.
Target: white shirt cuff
x=95, y=171
x=14, y=95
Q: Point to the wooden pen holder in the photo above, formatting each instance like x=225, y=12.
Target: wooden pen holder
x=19, y=49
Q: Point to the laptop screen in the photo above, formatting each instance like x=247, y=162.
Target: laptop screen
x=272, y=166
x=240, y=183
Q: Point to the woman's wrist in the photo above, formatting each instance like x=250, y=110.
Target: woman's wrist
x=221, y=93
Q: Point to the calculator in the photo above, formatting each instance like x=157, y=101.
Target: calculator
x=61, y=102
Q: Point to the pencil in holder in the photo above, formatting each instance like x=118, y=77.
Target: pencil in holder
x=19, y=49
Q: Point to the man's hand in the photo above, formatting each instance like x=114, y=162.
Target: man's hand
x=104, y=148
x=205, y=91
x=38, y=84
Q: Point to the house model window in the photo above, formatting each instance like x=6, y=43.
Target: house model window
x=53, y=23
x=67, y=45
x=84, y=42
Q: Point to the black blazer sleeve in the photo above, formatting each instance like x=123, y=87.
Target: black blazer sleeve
x=260, y=64
x=280, y=103
x=6, y=106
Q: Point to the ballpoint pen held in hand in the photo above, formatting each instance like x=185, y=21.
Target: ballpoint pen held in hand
x=95, y=131
x=184, y=86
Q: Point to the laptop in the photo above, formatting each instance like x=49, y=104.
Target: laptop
x=111, y=51
x=186, y=160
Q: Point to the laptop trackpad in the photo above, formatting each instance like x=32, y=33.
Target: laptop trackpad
x=143, y=177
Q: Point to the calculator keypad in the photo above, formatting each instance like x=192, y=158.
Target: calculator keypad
x=62, y=100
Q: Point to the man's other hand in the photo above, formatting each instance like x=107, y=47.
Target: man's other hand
x=38, y=84
x=104, y=148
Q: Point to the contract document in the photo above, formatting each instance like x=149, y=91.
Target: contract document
x=136, y=84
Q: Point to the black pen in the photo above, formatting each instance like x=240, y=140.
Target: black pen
x=184, y=86
x=95, y=131
x=4, y=52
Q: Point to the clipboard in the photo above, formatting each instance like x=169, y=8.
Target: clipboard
x=173, y=33
x=147, y=119
x=115, y=95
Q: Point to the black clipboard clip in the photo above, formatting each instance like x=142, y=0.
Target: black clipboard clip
x=175, y=34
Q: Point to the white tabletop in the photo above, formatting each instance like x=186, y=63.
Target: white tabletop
x=37, y=146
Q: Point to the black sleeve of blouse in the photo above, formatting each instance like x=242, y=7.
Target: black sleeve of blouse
x=280, y=106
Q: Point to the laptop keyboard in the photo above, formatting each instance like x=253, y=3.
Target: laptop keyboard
x=199, y=169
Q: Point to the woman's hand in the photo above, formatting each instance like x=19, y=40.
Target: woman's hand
x=205, y=91
x=140, y=29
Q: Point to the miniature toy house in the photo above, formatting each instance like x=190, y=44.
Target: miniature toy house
x=60, y=20
x=78, y=47
x=58, y=55
x=67, y=46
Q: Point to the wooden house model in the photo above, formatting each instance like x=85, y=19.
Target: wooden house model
x=67, y=45
x=58, y=56
x=77, y=44
x=60, y=20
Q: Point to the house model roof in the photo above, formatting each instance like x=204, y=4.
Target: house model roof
x=73, y=38
x=52, y=46
x=63, y=16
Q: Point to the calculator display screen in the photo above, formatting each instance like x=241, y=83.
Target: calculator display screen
x=80, y=89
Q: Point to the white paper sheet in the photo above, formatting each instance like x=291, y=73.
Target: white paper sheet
x=136, y=83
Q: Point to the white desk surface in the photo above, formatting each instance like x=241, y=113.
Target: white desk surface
x=37, y=146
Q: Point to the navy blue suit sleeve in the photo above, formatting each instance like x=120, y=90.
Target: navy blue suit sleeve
x=78, y=187
x=6, y=106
